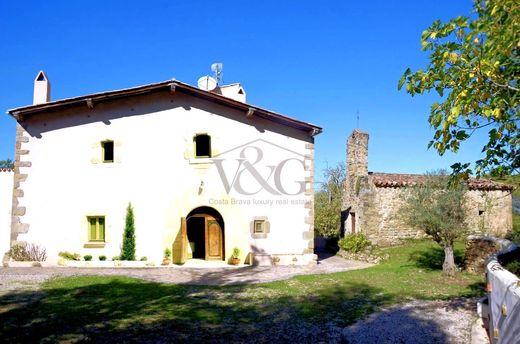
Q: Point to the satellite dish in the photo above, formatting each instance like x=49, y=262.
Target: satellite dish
x=207, y=83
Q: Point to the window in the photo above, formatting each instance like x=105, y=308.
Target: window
x=259, y=227
x=96, y=228
x=202, y=146
x=108, y=151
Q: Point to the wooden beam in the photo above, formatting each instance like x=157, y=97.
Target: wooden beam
x=90, y=103
x=250, y=113
x=172, y=88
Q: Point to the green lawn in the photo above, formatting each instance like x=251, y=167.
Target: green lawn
x=300, y=309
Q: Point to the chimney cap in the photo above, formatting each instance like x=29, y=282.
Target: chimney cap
x=41, y=76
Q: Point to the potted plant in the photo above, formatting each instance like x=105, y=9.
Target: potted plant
x=235, y=260
x=167, y=256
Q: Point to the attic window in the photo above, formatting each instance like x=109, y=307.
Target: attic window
x=240, y=91
x=202, y=146
x=40, y=77
x=108, y=151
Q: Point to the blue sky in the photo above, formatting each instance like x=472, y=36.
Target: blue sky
x=320, y=62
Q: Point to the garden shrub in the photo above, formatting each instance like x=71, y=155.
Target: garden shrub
x=128, y=248
x=102, y=258
x=513, y=267
x=27, y=253
x=87, y=257
x=69, y=256
x=144, y=259
x=354, y=243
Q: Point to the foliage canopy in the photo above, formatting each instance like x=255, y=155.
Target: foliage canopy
x=329, y=201
x=474, y=65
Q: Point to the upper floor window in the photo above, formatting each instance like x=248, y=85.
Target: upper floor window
x=202, y=144
x=108, y=151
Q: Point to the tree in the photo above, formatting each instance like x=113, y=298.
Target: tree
x=7, y=163
x=474, y=65
x=328, y=202
x=128, y=248
x=438, y=207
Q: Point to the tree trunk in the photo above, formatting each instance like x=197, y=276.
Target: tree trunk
x=448, y=267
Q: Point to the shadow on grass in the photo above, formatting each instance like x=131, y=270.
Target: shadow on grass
x=432, y=258
x=118, y=309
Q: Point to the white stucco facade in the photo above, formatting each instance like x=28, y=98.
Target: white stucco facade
x=6, y=195
x=64, y=179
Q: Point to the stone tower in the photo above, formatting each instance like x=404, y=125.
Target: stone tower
x=356, y=180
x=357, y=154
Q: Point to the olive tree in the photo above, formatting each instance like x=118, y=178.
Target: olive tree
x=437, y=206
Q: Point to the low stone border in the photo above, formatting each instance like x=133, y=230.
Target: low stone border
x=363, y=256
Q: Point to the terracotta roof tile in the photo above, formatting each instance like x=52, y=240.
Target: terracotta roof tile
x=402, y=180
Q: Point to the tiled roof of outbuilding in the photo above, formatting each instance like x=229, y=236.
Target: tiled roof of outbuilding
x=402, y=180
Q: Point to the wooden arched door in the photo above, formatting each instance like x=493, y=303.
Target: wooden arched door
x=214, y=239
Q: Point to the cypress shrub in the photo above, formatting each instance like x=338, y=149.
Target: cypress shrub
x=128, y=248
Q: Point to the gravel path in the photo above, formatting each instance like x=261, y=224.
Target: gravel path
x=31, y=277
x=417, y=322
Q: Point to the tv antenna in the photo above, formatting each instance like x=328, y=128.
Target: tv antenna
x=218, y=71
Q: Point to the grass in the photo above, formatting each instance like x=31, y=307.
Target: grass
x=109, y=309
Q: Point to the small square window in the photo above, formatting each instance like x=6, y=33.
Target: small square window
x=96, y=228
x=108, y=151
x=202, y=146
x=259, y=227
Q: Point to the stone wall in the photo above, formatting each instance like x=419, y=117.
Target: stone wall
x=383, y=224
x=490, y=212
x=478, y=250
x=6, y=194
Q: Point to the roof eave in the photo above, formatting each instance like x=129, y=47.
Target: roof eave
x=20, y=112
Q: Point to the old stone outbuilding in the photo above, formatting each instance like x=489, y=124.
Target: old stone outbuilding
x=372, y=200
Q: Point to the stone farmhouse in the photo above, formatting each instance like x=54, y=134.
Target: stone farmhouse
x=205, y=172
x=372, y=200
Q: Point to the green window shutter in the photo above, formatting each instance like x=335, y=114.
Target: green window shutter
x=101, y=234
x=92, y=229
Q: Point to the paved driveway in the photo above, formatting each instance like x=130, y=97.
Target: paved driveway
x=24, y=278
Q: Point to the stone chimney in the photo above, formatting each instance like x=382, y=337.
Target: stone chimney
x=357, y=154
x=42, y=89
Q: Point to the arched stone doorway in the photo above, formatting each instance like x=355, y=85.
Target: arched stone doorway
x=205, y=232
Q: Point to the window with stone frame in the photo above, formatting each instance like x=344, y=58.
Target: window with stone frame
x=96, y=229
x=202, y=145
x=108, y=151
x=260, y=227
